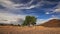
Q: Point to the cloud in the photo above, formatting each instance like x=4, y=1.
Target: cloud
x=57, y=8
x=17, y=8
x=11, y=18
x=9, y=4
x=16, y=5
x=26, y=7
x=28, y=4
x=47, y=13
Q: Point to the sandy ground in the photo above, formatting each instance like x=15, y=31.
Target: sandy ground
x=29, y=30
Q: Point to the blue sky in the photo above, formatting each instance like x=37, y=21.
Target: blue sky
x=16, y=10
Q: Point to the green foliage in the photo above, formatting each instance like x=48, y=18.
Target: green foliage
x=29, y=20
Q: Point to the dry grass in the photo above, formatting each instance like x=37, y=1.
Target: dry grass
x=28, y=30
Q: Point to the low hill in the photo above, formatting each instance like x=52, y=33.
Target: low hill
x=52, y=23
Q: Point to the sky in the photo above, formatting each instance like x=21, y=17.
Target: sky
x=15, y=11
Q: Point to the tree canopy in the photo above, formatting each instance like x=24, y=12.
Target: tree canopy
x=29, y=20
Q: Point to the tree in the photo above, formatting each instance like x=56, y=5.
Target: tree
x=29, y=20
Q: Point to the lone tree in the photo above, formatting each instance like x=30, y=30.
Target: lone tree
x=29, y=20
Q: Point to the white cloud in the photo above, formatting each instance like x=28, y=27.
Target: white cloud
x=11, y=18
x=11, y=5
x=25, y=7
x=57, y=10
x=6, y=3
x=47, y=13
